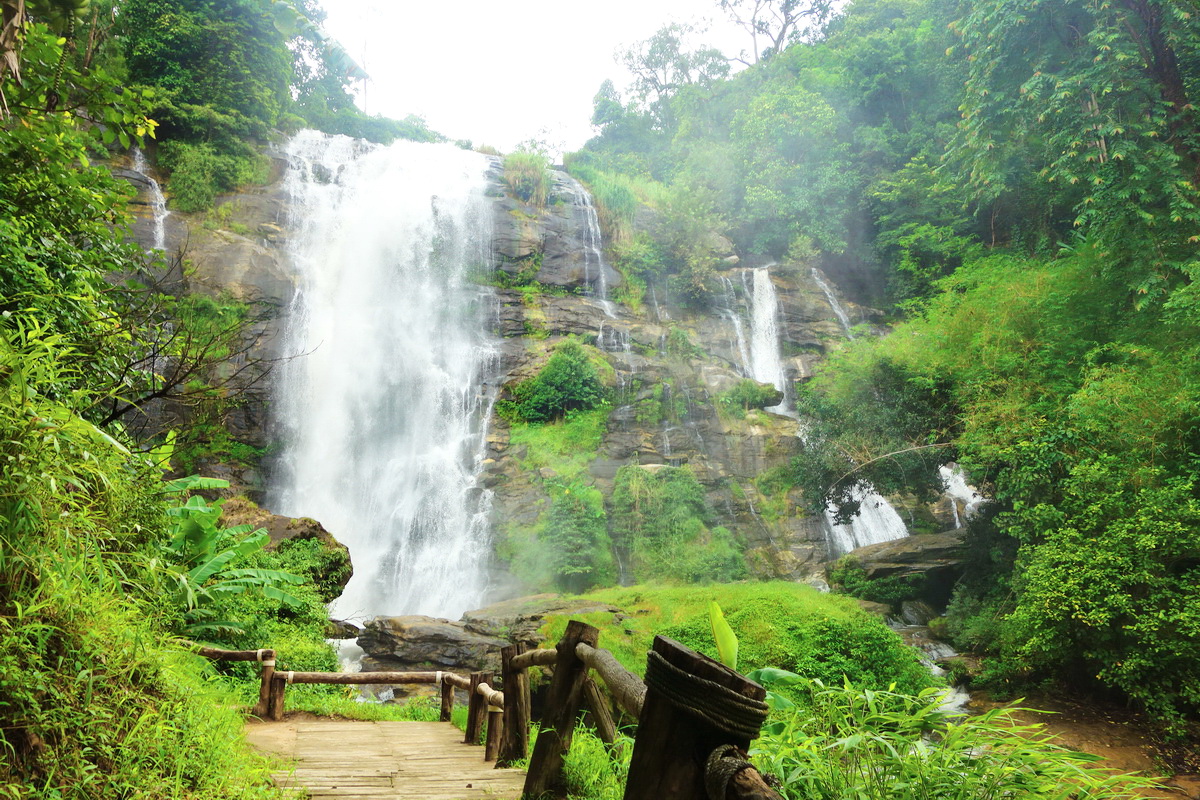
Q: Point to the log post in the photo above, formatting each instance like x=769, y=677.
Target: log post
x=275, y=702
x=262, y=707
x=476, y=707
x=562, y=708
x=495, y=732
x=447, y=699
x=597, y=705
x=674, y=742
x=514, y=746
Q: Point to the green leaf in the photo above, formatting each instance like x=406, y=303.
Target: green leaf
x=726, y=639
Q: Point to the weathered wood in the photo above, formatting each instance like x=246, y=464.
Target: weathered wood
x=627, y=689
x=361, y=678
x=597, y=705
x=476, y=708
x=515, y=744
x=535, y=658
x=353, y=760
x=264, y=684
x=495, y=731
x=673, y=745
x=748, y=784
x=459, y=681
x=490, y=695
x=275, y=703
x=562, y=709
x=447, y=698
x=217, y=654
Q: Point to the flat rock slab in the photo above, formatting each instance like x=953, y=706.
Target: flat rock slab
x=382, y=760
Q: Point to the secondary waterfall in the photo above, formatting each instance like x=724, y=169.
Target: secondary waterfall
x=383, y=410
x=765, y=363
x=158, y=202
x=839, y=310
x=593, y=254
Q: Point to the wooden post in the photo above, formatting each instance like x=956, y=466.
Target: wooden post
x=562, y=707
x=275, y=703
x=515, y=744
x=447, y=699
x=263, y=705
x=495, y=731
x=596, y=703
x=672, y=744
x=476, y=707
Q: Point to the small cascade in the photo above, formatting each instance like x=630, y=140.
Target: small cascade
x=593, y=256
x=953, y=699
x=876, y=521
x=730, y=312
x=660, y=313
x=383, y=414
x=838, y=309
x=158, y=202
x=961, y=493
x=766, y=363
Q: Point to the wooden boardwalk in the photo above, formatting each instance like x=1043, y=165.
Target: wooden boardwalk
x=383, y=760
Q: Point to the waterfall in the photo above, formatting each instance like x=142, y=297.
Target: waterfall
x=960, y=492
x=593, y=256
x=876, y=521
x=735, y=319
x=383, y=409
x=766, y=363
x=838, y=309
x=158, y=202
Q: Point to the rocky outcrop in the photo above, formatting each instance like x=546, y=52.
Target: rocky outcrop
x=424, y=643
x=914, y=555
x=332, y=568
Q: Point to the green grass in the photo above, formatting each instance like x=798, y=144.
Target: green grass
x=566, y=446
x=779, y=624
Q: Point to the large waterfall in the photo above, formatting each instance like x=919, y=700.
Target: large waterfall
x=383, y=410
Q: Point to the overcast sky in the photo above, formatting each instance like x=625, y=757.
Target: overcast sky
x=499, y=72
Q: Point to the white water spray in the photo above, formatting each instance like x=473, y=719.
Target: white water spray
x=876, y=521
x=961, y=494
x=383, y=413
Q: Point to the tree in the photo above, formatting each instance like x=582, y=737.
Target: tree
x=662, y=66
x=777, y=22
x=1095, y=98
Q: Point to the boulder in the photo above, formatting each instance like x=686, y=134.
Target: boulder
x=913, y=555
x=417, y=642
x=518, y=620
x=333, y=570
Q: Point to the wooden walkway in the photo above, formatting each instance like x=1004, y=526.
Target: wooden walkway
x=378, y=760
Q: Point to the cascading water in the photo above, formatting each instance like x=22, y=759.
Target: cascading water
x=766, y=363
x=158, y=202
x=876, y=521
x=960, y=493
x=593, y=256
x=383, y=411
x=735, y=319
x=839, y=310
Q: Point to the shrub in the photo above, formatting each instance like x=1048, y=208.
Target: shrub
x=568, y=381
x=853, y=741
x=663, y=522
x=528, y=177
x=747, y=395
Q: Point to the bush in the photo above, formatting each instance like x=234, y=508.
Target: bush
x=576, y=540
x=528, y=177
x=663, y=522
x=199, y=172
x=568, y=381
x=892, y=590
x=852, y=741
x=747, y=395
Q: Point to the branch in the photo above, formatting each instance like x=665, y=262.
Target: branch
x=887, y=455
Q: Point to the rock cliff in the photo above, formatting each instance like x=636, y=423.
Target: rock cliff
x=668, y=364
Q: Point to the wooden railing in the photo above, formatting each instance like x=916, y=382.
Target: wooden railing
x=696, y=717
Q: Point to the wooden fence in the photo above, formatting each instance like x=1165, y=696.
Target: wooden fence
x=696, y=717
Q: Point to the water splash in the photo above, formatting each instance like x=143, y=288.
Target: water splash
x=960, y=493
x=383, y=418
x=877, y=521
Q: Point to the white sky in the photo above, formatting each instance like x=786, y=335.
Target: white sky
x=499, y=72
